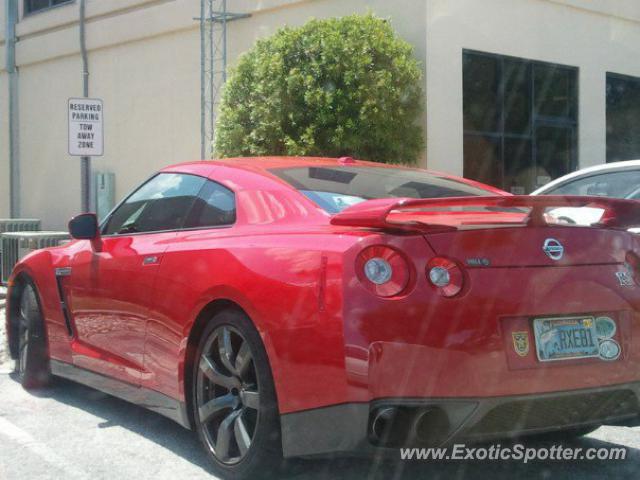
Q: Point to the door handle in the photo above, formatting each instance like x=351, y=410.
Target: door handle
x=151, y=260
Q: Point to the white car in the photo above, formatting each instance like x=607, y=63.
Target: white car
x=617, y=180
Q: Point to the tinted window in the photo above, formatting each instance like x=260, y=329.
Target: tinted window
x=623, y=118
x=623, y=184
x=555, y=92
x=520, y=121
x=334, y=189
x=481, y=82
x=214, y=206
x=31, y=6
x=160, y=204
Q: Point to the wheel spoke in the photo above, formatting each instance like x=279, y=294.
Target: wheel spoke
x=215, y=405
x=25, y=302
x=23, y=337
x=226, y=349
x=243, y=360
x=23, y=353
x=250, y=399
x=23, y=323
x=23, y=340
x=23, y=310
x=243, y=439
x=223, y=439
x=208, y=368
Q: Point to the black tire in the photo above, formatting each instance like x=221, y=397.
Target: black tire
x=32, y=363
x=234, y=401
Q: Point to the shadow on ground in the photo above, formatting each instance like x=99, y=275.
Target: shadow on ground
x=184, y=443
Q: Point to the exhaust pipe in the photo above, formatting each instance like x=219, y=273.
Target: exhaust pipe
x=431, y=426
x=382, y=422
x=391, y=426
x=405, y=426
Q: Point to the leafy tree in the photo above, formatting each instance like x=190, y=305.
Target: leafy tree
x=337, y=87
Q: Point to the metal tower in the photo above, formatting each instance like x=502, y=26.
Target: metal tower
x=213, y=66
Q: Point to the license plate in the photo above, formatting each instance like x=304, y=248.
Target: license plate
x=565, y=338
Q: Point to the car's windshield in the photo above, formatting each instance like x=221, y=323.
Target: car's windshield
x=336, y=188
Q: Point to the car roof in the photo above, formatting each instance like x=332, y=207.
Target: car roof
x=263, y=165
x=267, y=163
x=589, y=171
x=260, y=165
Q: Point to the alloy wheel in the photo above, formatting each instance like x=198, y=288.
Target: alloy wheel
x=24, y=334
x=228, y=398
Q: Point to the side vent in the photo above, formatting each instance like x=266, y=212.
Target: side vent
x=61, y=273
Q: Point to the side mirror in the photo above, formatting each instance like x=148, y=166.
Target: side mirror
x=84, y=227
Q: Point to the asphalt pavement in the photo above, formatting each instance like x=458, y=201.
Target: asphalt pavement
x=74, y=432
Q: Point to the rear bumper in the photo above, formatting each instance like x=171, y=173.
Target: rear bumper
x=394, y=423
x=423, y=346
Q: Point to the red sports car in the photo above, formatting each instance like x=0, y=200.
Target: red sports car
x=294, y=307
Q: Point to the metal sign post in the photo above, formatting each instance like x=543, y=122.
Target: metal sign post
x=85, y=169
x=86, y=138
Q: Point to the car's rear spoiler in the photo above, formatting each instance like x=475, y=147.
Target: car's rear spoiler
x=455, y=212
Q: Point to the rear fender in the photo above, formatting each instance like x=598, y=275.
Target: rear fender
x=221, y=293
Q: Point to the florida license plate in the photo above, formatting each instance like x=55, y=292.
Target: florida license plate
x=565, y=338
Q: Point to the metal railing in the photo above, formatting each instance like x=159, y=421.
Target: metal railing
x=16, y=225
x=16, y=245
x=19, y=225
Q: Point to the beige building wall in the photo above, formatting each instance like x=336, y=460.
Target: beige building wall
x=144, y=60
x=4, y=145
x=597, y=36
x=4, y=124
x=144, y=64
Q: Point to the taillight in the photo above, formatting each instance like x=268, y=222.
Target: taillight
x=446, y=276
x=632, y=264
x=383, y=270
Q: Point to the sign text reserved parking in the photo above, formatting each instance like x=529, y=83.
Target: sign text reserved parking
x=85, y=127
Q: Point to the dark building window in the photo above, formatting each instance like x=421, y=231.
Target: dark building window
x=623, y=118
x=520, y=121
x=31, y=6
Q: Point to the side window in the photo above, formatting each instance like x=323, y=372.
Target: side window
x=215, y=206
x=614, y=184
x=160, y=204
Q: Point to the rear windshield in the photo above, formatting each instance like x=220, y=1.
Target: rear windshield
x=336, y=188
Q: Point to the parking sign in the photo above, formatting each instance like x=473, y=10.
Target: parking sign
x=85, y=127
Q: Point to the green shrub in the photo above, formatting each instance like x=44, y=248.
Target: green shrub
x=336, y=87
